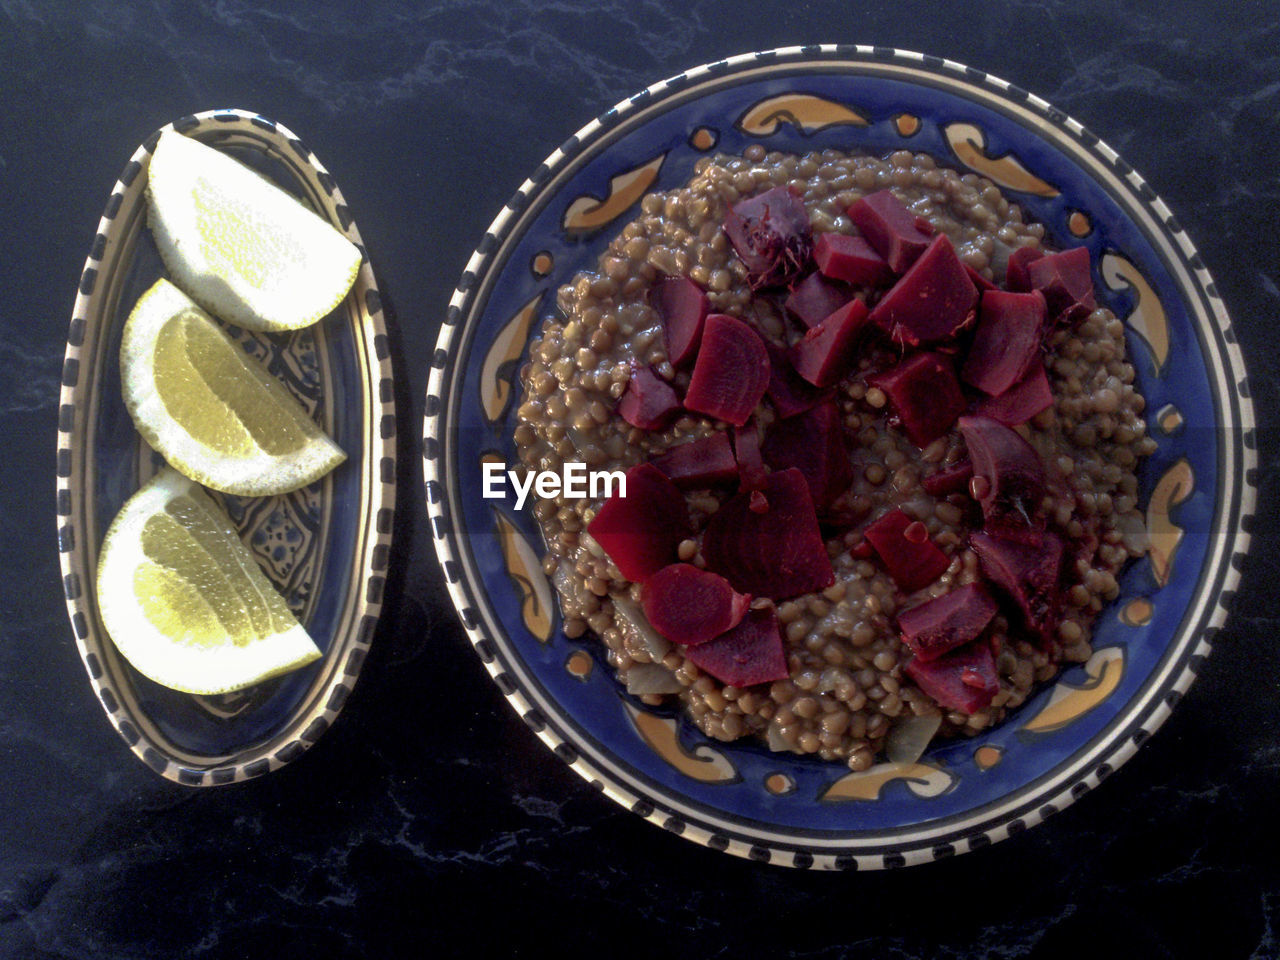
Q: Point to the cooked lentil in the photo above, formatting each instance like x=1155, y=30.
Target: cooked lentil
x=844, y=654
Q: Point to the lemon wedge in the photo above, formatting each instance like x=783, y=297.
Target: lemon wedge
x=243, y=249
x=184, y=600
x=209, y=408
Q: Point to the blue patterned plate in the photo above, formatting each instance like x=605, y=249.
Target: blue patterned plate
x=1197, y=488
x=325, y=546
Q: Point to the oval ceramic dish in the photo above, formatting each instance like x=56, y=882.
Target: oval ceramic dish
x=325, y=547
x=1197, y=488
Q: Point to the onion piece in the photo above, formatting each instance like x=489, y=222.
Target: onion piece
x=562, y=579
x=1133, y=533
x=592, y=545
x=777, y=742
x=633, y=617
x=907, y=739
x=651, y=678
x=1000, y=259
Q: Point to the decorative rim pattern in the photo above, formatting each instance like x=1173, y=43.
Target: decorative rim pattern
x=326, y=695
x=1207, y=613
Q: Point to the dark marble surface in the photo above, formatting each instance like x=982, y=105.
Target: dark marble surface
x=430, y=817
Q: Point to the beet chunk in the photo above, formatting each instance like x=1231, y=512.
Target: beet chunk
x=963, y=680
x=1066, y=282
x=951, y=479
x=890, y=228
x=912, y=559
x=1009, y=476
x=1028, y=574
x=748, y=654
x=1015, y=273
x=1020, y=402
x=649, y=401
x=851, y=259
x=772, y=236
x=704, y=462
x=778, y=553
x=682, y=306
x=731, y=373
x=952, y=620
x=691, y=606
x=815, y=298
x=979, y=281
x=934, y=300
x=826, y=352
x=746, y=450
x=641, y=531
x=813, y=443
x=924, y=395
x=1007, y=341
x=790, y=392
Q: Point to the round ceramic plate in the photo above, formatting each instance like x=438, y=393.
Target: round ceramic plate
x=1197, y=489
x=324, y=547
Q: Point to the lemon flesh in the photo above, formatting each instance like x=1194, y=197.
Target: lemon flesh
x=209, y=408
x=184, y=600
x=244, y=249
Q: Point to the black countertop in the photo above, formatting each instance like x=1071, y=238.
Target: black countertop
x=430, y=817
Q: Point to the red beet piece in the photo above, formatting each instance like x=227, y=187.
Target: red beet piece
x=789, y=392
x=1007, y=341
x=911, y=564
x=1015, y=272
x=963, y=680
x=950, y=479
x=851, y=259
x=826, y=352
x=748, y=654
x=924, y=395
x=641, y=531
x=934, y=300
x=1020, y=402
x=944, y=623
x=815, y=298
x=731, y=373
x=772, y=236
x=1011, y=475
x=778, y=553
x=1027, y=573
x=979, y=281
x=649, y=401
x=746, y=450
x=1066, y=282
x=892, y=230
x=704, y=462
x=682, y=306
x=814, y=443
x=691, y=606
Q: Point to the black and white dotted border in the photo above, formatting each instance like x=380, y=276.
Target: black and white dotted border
x=304, y=730
x=805, y=854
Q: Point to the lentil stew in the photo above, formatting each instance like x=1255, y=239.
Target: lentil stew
x=850, y=676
